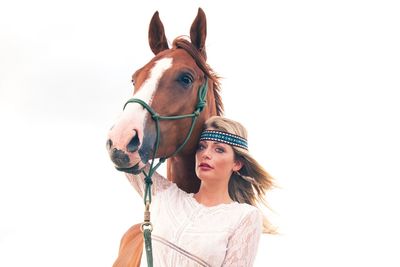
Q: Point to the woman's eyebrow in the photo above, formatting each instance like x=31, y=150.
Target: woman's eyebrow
x=218, y=143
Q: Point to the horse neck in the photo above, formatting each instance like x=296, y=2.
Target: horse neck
x=181, y=168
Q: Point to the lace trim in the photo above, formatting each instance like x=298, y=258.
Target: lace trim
x=180, y=250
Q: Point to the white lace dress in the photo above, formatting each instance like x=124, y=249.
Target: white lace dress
x=187, y=233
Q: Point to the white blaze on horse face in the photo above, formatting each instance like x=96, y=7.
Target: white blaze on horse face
x=149, y=87
x=134, y=115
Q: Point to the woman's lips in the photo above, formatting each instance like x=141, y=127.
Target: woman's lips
x=205, y=166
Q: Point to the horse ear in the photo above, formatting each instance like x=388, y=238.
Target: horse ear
x=198, y=31
x=157, y=40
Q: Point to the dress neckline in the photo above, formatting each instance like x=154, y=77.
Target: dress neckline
x=198, y=204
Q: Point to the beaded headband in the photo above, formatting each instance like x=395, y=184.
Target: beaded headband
x=223, y=137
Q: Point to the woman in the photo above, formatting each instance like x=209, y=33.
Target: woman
x=219, y=225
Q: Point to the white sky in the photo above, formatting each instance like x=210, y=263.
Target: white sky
x=315, y=82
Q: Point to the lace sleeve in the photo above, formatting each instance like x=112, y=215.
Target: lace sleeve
x=160, y=183
x=243, y=244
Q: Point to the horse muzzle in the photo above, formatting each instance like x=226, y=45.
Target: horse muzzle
x=123, y=148
x=136, y=169
x=125, y=161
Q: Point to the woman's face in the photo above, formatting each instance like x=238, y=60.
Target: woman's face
x=215, y=160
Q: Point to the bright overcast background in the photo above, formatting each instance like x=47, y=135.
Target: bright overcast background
x=315, y=82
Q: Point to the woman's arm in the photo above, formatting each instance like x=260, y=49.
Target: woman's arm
x=160, y=183
x=243, y=244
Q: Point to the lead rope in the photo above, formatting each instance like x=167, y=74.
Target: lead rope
x=146, y=227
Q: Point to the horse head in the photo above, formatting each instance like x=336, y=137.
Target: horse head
x=170, y=85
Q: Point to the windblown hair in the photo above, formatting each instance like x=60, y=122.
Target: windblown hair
x=200, y=58
x=251, y=182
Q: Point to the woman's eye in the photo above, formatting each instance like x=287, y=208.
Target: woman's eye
x=220, y=150
x=200, y=147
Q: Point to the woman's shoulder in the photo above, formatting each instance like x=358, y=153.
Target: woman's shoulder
x=248, y=210
x=247, y=216
x=174, y=194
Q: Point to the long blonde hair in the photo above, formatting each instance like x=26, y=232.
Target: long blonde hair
x=251, y=182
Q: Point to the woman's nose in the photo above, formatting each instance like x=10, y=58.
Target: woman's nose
x=206, y=154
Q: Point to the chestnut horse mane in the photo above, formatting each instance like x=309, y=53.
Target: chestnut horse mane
x=182, y=43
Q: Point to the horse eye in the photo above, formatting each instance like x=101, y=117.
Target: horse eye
x=186, y=80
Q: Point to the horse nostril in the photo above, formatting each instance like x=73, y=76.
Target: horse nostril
x=133, y=145
x=120, y=158
x=109, y=144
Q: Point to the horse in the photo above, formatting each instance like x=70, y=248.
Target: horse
x=169, y=85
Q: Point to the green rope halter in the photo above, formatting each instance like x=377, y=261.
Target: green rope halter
x=146, y=226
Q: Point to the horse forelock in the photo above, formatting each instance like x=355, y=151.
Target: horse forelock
x=182, y=43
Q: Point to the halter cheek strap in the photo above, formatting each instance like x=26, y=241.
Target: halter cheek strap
x=224, y=137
